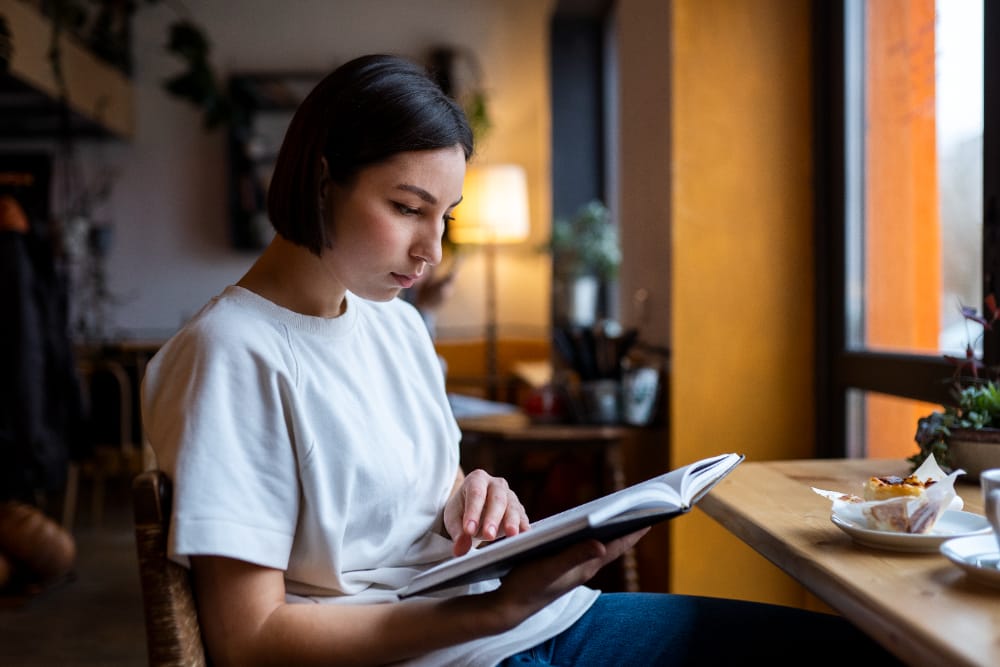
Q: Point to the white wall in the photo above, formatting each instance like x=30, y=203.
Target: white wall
x=171, y=250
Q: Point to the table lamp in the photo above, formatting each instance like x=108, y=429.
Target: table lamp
x=494, y=210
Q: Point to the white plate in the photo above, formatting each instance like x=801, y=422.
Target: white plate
x=951, y=524
x=977, y=555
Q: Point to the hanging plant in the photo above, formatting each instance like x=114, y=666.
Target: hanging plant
x=198, y=84
x=477, y=112
x=459, y=74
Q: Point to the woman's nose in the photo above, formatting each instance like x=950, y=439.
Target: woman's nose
x=428, y=248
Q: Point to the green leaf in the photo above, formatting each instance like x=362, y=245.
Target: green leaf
x=196, y=86
x=587, y=243
x=187, y=41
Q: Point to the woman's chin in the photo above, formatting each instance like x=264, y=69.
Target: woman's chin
x=382, y=295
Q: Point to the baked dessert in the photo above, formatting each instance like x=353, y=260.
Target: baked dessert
x=886, y=488
x=898, y=516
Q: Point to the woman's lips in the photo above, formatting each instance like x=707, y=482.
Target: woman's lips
x=404, y=281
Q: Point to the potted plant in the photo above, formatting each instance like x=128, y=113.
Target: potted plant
x=966, y=433
x=586, y=257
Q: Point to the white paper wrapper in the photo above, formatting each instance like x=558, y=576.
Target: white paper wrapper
x=909, y=514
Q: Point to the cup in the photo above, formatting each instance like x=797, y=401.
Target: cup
x=989, y=481
x=640, y=391
x=545, y=405
x=601, y=401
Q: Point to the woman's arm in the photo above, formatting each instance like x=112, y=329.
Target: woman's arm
x=246, y=620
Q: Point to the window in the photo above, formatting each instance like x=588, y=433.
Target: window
x=907, y=120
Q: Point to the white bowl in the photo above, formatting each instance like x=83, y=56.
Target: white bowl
x=978, y=555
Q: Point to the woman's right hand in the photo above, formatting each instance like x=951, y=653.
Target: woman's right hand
x=482, y=506
x=531, y=586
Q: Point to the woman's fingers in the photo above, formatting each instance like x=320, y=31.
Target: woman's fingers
x=463, y=543
x=473, y=494
x=483, y=508
x=502, y=512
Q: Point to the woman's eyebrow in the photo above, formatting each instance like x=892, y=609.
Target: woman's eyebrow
x=423, y=194
x=419, y=191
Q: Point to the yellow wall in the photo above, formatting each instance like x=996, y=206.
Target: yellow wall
x=743, y=271
x=736, y=176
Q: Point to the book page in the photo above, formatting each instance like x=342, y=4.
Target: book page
x=678, y=488
x=698, y=478
x=653, y=493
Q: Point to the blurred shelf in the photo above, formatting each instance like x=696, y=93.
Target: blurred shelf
x=100, y=97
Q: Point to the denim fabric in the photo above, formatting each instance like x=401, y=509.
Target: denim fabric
x=650, y=629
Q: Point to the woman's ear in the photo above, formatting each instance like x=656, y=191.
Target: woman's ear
x=324, y=181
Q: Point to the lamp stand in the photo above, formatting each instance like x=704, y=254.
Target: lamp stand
x=492, y=379
x=494, y=210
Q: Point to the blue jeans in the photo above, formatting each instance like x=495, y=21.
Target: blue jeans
x=651, y=629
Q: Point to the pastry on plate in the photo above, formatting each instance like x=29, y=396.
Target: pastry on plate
x=897, y=516
x=898, y=504
x=891, y=486
x=900, y=515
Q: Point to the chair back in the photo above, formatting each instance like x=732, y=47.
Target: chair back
x=173, y=635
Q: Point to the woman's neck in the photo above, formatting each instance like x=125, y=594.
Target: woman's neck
x=292, y=277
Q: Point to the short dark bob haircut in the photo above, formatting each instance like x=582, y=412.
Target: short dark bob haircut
x=364, y=112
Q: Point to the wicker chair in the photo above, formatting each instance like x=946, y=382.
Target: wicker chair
x=173, y=636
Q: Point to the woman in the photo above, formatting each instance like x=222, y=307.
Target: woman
x=303, y=419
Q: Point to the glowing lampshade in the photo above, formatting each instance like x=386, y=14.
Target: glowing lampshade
x=494, y=206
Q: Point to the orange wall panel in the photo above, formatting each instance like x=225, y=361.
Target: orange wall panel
x=902, y=233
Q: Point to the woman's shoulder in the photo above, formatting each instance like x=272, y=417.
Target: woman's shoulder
x=225, y=317
x=223, y=327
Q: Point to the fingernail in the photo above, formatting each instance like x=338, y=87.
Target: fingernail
x=470, y=528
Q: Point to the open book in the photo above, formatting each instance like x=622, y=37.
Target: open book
x=605, y=518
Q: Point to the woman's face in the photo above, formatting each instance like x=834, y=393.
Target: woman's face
x=387, y=224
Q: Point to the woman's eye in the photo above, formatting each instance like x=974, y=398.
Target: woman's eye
x=448, y=218
x=407, y=210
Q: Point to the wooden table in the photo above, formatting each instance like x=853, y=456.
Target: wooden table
x=919, y=606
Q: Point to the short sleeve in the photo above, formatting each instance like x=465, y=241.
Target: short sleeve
x=214, y=415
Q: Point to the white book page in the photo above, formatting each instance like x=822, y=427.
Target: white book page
x=701, y=476
x=679, y=488
x=649, y=494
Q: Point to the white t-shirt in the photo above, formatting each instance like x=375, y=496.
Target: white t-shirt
x=325, y=448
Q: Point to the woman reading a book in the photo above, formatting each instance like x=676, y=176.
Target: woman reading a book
x=302, y=417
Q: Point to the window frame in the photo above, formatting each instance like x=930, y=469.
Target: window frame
x=838, y=368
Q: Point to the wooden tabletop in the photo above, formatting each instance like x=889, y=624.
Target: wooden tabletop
x=920, y=606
